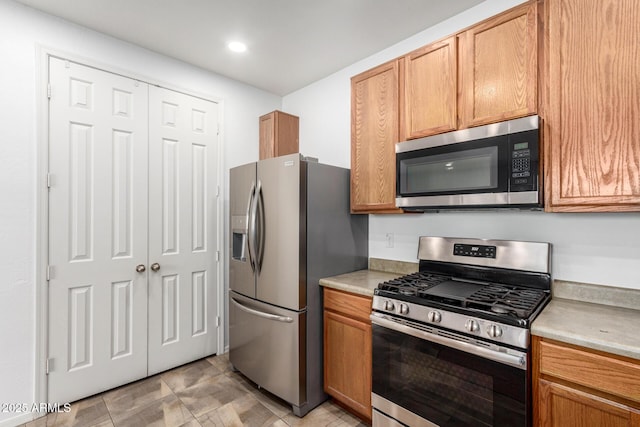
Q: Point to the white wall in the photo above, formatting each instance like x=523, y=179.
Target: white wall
x=596, y=248
x=22, y=29
x=593, y=248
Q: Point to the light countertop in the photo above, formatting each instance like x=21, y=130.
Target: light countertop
x=585, y=315
x=361, y=282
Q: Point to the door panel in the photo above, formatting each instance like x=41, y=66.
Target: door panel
x=242, y=182
x=121, y=319
x=182, y=228
x=97, y=231
x=279, y=280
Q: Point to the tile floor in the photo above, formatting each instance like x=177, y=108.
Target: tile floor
x=203, y=393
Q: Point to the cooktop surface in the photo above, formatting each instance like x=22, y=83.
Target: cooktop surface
x=493, y=298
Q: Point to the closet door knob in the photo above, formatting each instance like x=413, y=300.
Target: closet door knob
x=140, y=268
x=155, y=266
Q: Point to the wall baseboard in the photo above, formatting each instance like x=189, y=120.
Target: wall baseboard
x=21, y=419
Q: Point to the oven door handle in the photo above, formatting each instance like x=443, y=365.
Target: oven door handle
x=519, y=362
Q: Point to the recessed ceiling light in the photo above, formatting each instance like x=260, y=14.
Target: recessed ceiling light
x=237, y=46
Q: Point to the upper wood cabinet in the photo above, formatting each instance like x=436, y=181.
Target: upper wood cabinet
x=374, y=133
x=279, y=133
x=592, y=105
x=497, y=66
x=486, y=74
x=430, y=89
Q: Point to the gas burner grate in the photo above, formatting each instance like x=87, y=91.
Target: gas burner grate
x=414, y=284
x=504, y=300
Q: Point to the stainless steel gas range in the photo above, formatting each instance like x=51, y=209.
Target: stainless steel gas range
x=451, y=342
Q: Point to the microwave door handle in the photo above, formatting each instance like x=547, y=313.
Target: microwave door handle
x=251, y=226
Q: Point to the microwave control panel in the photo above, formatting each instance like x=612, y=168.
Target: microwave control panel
x=524, y=165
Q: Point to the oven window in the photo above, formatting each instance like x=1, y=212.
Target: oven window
x=445, y=386
x=475, y=169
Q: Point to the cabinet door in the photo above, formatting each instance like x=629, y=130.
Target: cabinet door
x=430, y=89
x=278, y=134
x=347, y=359
x=593, y=105
x=498, y=68
x=267, y=136
x=374, y=133
x=566, y=407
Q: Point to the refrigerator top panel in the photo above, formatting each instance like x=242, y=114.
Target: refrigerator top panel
x=281, y=235
x=242, y=185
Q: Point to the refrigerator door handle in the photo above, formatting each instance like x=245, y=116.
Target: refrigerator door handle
x=251, y=226
x=284, y=319
x=261, y=227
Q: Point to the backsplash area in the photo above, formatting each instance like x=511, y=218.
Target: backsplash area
x=597, y=294
x=392, y=266
x=598, y=248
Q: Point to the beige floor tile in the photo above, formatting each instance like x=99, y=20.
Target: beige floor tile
x=241, y=381
x=221, y=362
x=38, y=422
x=348, y=420
x=210, y=394
x=228, y=416
x=273, y=403
x=320, y=416
x=136, y=395
x=207, y=389
x=246, y=411
x=88, y=412
x=211, y=419
x=168, y=411
x=188, y=375
x=270, y=401
x=351, y=420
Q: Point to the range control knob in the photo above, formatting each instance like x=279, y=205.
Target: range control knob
x=494, y=331
x=404, y=309
x=388, y=305
x=472, y=325
x=434, y=317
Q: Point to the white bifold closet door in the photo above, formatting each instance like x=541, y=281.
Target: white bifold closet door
x=133, y=178
x=182, y=228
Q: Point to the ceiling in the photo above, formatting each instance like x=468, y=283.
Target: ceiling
x=291, y=43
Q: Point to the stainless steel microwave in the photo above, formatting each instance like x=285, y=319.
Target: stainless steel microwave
x=491, y=166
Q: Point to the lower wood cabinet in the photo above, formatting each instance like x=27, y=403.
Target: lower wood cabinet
x=347, y=350
x=575, y=386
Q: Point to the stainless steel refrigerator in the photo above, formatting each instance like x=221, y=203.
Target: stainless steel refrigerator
x=290, y=226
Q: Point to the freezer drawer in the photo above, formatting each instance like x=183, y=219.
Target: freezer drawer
x=267, y=344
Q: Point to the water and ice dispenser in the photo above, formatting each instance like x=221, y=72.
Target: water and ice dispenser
x=239, y=237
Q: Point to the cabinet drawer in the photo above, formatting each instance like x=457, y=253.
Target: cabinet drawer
x=356, y=306
x=616, y=376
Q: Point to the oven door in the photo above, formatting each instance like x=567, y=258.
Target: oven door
x=425, y=379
